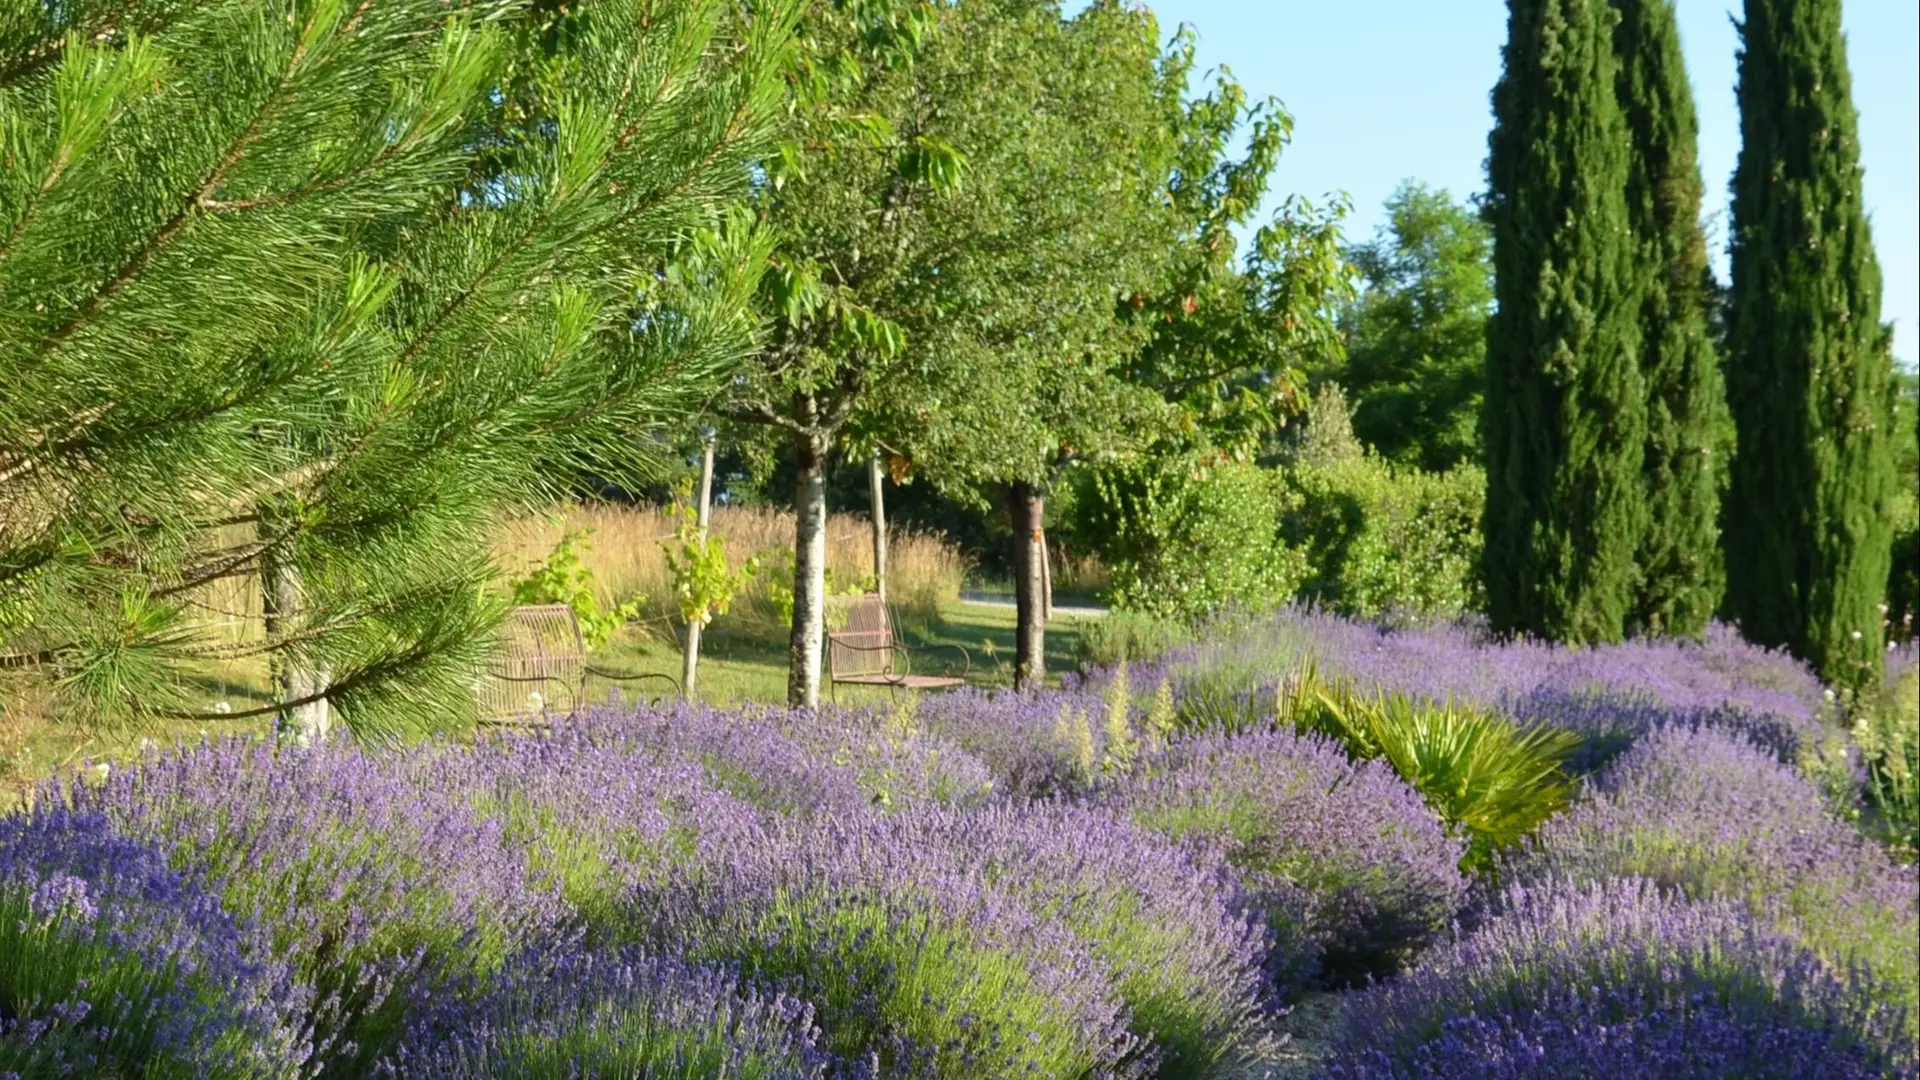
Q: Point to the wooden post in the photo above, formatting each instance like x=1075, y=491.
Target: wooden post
x=875, y=481
x=689, y=670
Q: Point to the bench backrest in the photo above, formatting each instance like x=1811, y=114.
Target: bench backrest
x=865, y=645
x=540, y=645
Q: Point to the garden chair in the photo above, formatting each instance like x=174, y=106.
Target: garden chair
x=541, y=669
x=866, y=653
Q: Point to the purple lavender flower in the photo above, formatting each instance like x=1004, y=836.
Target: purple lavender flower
x=799, y=761
x=369, y=887
x=1713, y=815
x=915, y=963
x=111, y=964
x=1562, y=968
x=1036, y=744
x=1345, y=859
x=1169, y=921
x=594, y=1014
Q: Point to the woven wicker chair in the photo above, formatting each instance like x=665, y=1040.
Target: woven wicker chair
x=541, y=669
x=866, y=653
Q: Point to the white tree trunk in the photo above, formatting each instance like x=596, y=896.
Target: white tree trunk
x=876, y=484
x=690, y=669
x=804, y=646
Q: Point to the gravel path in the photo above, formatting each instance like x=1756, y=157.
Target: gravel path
x=999, y=601
x=1298, y=1044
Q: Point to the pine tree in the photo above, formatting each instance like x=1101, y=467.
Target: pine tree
x=1687, y=427
x=1565, y=418
x=1809, y=375
x=283, y=299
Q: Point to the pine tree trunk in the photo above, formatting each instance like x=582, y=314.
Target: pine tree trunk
x=804, y=646
x=305, y=721
x=1809, y=378
x=1027, y=508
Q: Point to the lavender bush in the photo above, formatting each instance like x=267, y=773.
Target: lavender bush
x=1036, y=744
x=577, y=1013
x=916, y=965
x=1598, y=979
x=1170, y=922
x=1609, y=694
x=1344, y=857
x=111, y=964
x=368, y=887
x=1713, y=815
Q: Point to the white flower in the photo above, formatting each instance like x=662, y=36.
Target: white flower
x=222, y=707
x=535, y=701
x=1856, y=635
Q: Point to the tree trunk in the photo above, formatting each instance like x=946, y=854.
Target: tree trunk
x=1028, y=509
x=875, y=483
x=690, y=668
x=306, y=722
x=809, y=571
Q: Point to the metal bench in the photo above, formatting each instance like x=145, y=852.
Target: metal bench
x=541, y=669
x=866, y=653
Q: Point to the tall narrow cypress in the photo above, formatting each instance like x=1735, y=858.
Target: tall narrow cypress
x=1810, y=375
x=1565, y=415
x=1688, y=432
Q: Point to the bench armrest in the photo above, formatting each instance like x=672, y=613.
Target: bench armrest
x=632, y=676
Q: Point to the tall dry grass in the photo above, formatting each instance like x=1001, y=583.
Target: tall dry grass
x=625, y=549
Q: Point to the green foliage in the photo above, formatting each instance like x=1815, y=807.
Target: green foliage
x=1184, y=538
x=1492, y=780
x=1417, y=333
x=565, y=578
x=1809, y=377
x=1381, y=539
x=1903, y=575
x=1888, y=734
x=1689, y=435
x=1128, y=635
x=310, y=294
x=704, y=584
x=1565, y=412
x=1121, y=744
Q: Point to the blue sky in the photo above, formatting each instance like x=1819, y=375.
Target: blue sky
x=1382, y=90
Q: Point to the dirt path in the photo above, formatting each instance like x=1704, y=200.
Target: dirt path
x=1299, y=1043
x=998, y=601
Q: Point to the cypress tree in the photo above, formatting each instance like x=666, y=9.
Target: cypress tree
x=1687, y=427
x=1810, y=372
x=1565, y=415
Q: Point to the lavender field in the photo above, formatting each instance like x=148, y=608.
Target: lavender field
x=1143, y=875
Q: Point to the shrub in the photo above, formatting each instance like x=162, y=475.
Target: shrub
x=1712, y=815
x=1385, y=540
x=1484, y=775
x=565, y=578
x=914, y=966
x=797, y=762
x=1887, y=732
x=371, y=889
x=1182, y=539
x=596, y=814
x=1122, y=636
x=1034, y=744
x=1170, y=922
x=580, y=1013
x=112, y=965
x=1588, y=980
x=1343, y=857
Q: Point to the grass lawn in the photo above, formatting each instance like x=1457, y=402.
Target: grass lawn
x=747, y=661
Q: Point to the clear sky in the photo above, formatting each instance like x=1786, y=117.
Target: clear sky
x=1382, y=90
